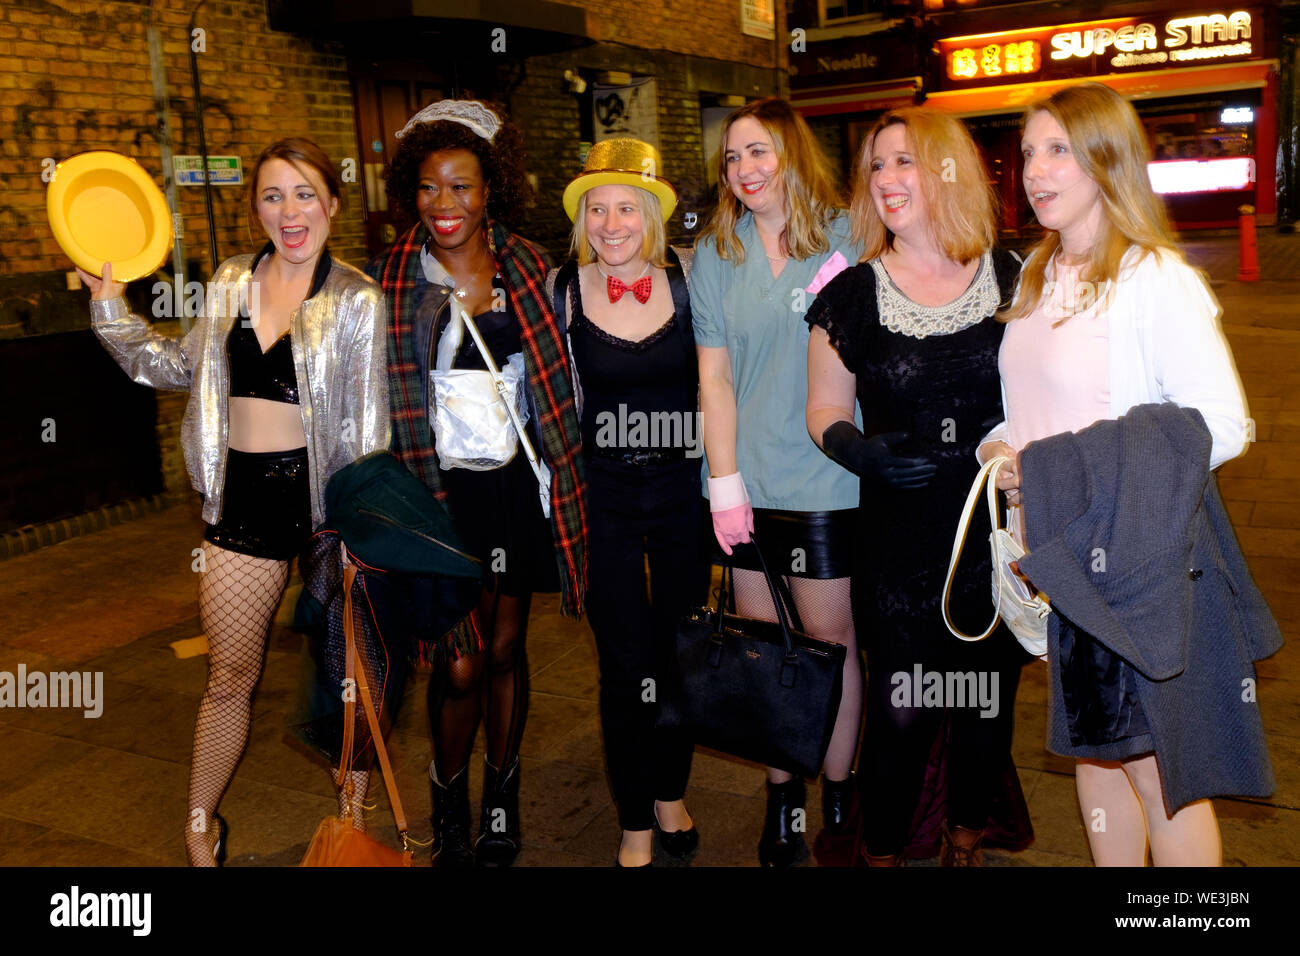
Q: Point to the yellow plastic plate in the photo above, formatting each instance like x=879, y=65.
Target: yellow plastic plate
x=104, y=207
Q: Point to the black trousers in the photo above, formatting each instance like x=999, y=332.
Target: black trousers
x=637, y=513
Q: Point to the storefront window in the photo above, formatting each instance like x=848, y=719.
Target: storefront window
x=1202, y=128
x=834, y=11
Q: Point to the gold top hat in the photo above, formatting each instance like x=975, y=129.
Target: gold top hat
x=621, y=162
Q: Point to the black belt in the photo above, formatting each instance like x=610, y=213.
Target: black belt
x=642, y=457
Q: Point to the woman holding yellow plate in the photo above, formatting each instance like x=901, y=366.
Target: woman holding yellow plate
x=287, y=376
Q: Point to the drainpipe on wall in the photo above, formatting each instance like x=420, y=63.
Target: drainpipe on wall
x=203, y=142
x=158, y=72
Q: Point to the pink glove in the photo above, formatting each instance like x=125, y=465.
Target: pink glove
x=733, y=526
x=733, y=518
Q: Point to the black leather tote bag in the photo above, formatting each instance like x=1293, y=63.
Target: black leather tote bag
x=761, y=690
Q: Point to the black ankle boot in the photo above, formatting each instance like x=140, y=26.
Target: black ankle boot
x=451, y=820
x=782, y=842
x=835, y=841
x=498, y=825
x=838, y=797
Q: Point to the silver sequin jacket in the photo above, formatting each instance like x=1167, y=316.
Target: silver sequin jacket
x=338, y=337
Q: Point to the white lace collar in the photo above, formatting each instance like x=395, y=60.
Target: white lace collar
x=900, y=314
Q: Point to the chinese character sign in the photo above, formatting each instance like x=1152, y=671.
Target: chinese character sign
x=995, y=59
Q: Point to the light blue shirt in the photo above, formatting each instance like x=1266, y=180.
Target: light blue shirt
x=760, y=321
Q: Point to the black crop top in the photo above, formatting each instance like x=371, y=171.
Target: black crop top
x=255, y=374
x=269, y=374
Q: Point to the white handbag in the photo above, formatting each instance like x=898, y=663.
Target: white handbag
x=470, y=417
x=478, y=417
x=1024, y=610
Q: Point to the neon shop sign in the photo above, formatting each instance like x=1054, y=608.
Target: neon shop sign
x=1117, y=43
x=1185, y=38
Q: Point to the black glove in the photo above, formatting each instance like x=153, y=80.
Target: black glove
x=874, y=457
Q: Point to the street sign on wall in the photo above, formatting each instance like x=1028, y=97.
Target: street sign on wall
x=222, y=170
x=758, y=18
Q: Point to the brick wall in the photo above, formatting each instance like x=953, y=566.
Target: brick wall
x=76, y=76
x=553, y=121
x=708, y=28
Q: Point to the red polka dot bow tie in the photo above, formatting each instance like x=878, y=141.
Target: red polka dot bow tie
x=640, y=288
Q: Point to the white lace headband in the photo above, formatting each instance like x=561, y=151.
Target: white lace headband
x=469, y=113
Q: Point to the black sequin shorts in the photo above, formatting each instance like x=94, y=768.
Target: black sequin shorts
x=266, y=505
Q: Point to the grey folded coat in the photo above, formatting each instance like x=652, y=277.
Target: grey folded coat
x=1129, y=538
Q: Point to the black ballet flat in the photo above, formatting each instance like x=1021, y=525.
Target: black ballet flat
x=219, y=849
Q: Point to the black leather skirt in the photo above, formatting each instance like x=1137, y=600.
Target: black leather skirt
x=801, y=544
x=266, y=504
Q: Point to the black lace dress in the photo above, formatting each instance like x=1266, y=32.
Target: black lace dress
x=943, y=390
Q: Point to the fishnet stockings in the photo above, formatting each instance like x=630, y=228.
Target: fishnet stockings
x=238, y=596
x=355, y=808
x=826, y=612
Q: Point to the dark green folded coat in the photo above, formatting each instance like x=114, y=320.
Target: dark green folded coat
x=414, y=583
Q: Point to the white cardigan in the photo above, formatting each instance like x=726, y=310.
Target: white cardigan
x=1166, y=345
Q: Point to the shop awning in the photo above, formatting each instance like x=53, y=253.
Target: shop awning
x=856, y=98
x=1135, y=86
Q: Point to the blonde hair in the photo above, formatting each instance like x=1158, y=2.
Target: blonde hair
x=811, y=196
x=1111, y=148
x=962, y=205
x=653, y=240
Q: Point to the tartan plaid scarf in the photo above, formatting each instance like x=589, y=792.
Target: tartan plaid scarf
x=523, y=269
